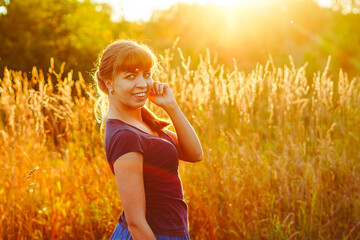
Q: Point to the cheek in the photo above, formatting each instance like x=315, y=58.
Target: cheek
x=150, y=83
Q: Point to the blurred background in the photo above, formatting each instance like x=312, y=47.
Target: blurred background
x=278, y=122
x=247, y=31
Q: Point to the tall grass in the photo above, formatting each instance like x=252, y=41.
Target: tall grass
x=281, y=153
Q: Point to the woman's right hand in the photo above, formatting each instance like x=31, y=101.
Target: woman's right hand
x=162, y=95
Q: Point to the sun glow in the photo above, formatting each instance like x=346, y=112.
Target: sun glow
x=225, y=3
x=231, y=3
x=325, y=3
x=132, y=12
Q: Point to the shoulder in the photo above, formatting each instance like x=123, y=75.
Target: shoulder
x=123, y=138
x=125, y=135
x=122, y=142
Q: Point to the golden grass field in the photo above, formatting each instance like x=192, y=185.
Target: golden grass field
x=281, y=153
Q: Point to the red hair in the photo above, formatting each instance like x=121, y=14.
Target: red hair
x=121, y=56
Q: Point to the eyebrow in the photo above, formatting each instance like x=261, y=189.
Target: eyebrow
x=147, y=70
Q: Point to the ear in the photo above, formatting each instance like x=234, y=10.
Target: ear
x=108, y=84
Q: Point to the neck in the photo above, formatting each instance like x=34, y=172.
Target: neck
x=124, y=113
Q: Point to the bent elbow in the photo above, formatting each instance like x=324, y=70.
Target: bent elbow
x=198, y=158
x=135, y=225
x=192, y=157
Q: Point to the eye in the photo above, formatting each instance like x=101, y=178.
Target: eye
x=147, y=74
x=130, y=76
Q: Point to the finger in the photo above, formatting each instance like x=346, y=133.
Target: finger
x=156, y=86
x=153, y=87
x=161, y=88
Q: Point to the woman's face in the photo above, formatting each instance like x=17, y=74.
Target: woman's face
x=132, y=88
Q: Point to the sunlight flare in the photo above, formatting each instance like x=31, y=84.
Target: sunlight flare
x=225, y=3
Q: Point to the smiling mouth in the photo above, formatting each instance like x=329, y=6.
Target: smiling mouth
x=140, y=94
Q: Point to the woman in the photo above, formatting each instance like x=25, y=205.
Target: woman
x=141, y=153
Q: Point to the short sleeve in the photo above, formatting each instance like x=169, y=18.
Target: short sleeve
x=122, y=142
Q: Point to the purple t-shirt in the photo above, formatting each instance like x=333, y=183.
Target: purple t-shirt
x=166, y=210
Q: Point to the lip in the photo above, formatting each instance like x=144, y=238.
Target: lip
x=140, y=98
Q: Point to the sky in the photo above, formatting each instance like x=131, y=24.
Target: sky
x=135, y=10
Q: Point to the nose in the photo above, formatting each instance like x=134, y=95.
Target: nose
x=141, y=82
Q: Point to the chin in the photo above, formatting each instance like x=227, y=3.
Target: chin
x=139, y=105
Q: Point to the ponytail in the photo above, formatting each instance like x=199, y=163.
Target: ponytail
x=156, y=124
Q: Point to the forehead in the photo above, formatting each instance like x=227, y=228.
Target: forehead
x=134, y=61
x=135, y=71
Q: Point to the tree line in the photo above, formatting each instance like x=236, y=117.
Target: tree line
x=75, y=32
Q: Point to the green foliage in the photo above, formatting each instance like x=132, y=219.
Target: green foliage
x=69, y=31
x=75, y=32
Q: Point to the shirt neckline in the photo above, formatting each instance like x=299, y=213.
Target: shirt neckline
x=115, y=119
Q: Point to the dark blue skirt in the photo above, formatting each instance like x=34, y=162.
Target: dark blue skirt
x=121, y=233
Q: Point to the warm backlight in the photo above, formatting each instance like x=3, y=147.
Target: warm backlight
x=228, y=3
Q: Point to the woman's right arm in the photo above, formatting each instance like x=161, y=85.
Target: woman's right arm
x=128, y=171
